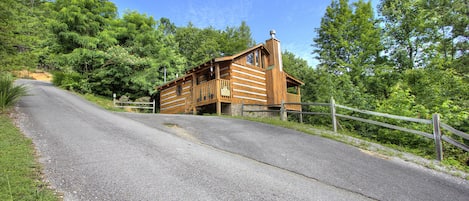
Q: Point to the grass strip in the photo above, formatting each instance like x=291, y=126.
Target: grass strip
x=102, y=101
x=20, y=173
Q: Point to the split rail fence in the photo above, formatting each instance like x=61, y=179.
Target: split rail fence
x=435, y=122
x=134, y=105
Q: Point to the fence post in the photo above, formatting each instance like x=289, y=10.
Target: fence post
x=154, y=106
x=334, y=120
x=242, y=108
x=301, y=113
x=437, y=136
x=114, y=99
x=282, y=111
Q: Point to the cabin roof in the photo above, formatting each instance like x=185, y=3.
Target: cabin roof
x=167, y=84
x=293, y=80
x=227, y=58
x=290, y=79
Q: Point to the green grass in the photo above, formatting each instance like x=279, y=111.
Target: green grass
x=20, y=173
x=305, y=128
x=9, y=93
x=102, y=101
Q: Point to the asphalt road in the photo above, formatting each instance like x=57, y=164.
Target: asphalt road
x=92, y=154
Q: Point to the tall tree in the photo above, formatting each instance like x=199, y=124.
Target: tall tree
x=404, y=23
x=78, y=28
x=237, y=39
x=347, y=46
x=80, y=22
x=22, y=33
x=365, y=41
x=200, y=45
x=332, y=44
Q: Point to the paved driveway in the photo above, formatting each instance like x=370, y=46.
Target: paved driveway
x=93, y=154
x=327, y=161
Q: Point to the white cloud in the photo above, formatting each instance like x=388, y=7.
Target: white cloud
x=218, y=14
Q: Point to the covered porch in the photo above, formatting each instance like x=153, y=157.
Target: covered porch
x=212, y=91
x=293, y=93
x=208, y=87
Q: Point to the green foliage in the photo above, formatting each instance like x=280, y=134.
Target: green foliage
x=200, y=45
x=93, y=51
x=10, y=93
x=79, y=23
x=413, y=62
x=70, y=80
x=22, y=33
x=347, y=46
x=102, y=101
x=116, y=75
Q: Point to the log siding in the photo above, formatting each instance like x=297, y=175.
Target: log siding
x=171, y=102
x=249, y=84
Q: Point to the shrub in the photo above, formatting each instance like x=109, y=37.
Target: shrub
x=72, y=81
x=10, y=93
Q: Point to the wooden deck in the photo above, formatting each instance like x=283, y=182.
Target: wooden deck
x=213, y=91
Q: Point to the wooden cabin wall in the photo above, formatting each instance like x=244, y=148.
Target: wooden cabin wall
x=173, y=103
x=248, y=83
x=225, y=70
x=276, y=86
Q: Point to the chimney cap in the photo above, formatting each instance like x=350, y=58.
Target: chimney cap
x=272, y=33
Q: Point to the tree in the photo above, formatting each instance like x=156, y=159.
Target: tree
x=80, y=22
x=365, y=42
x=200, y=45
x=332, y=44
x=236, y=39
x=348, y=47
x=22, y=33
x=80, y=31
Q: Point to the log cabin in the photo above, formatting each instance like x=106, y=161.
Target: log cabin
x=254, y=76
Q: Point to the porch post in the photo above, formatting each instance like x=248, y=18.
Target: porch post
x=217, y=88
x=217, y=71
x=194, y=99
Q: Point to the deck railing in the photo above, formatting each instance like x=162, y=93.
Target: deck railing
x=293, y=98
x=211, y=91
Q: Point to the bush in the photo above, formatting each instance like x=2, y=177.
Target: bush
x=72, y=81
x=57, y=78
x=9, y=93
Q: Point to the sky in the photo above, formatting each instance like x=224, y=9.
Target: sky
x=293, y=20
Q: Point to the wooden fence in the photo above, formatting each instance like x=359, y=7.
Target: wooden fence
x=435, y=121
x=134, y=105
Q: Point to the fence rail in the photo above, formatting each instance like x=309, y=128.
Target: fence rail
x=435, y=122
x=134, y=105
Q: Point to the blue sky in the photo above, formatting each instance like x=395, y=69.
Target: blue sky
x=294, y=21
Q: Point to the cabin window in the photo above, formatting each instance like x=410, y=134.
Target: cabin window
x=253, y=58
x=250, y=58
x=179, y=90
x=256, y=57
